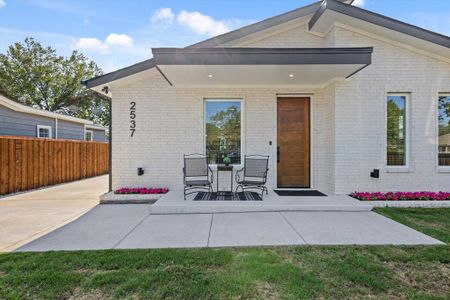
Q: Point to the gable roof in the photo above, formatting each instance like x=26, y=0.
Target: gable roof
x=380, y=20
x=256, y=27
x=13, y=105
x=317, y=9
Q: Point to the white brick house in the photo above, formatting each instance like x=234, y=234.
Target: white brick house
x=364, y=94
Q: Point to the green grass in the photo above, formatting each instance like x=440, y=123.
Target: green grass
x=245, y=273
x=432, y=221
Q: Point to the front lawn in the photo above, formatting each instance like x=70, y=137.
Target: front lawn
x=432, y=221
x=256, y=273
x=265, y=273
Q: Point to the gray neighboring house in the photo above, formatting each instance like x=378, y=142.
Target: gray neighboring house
x=20, y=120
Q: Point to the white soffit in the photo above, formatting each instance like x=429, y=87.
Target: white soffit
x=330, y=17
x=256, y=75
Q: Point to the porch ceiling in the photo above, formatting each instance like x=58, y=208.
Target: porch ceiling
x=259, y=66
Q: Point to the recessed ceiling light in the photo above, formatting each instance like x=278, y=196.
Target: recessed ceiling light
x=210, y=76
x=291, y=75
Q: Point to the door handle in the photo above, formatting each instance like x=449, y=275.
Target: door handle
x=278, y=154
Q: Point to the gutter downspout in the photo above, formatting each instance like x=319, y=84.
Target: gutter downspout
x=56, y=128
x=110, y=145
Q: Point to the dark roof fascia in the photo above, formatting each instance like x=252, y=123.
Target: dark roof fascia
x=261, y=56
x=256, y=27
x=380, y=20
x=127, y=71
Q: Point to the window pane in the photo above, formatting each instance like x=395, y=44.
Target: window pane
x=223, y=131
x=444, y=131
x=396, y=131
x=88, y=136
x=43, y=132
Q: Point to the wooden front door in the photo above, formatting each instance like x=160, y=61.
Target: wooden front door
x=293, y=152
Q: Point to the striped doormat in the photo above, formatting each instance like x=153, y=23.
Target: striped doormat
x=227, y=196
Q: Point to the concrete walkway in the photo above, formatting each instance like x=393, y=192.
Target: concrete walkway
x=133, y=226
x=27, y=216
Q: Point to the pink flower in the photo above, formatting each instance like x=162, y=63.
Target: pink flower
x=141, y=191
x=402, y=196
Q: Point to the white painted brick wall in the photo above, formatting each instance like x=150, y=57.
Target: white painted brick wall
x=362, y=101
x=170, y=123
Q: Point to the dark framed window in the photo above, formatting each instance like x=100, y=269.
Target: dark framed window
x=397, y=130
x=223, y=121
x=444, y=130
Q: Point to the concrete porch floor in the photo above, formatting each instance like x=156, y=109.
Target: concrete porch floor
x=173, y=203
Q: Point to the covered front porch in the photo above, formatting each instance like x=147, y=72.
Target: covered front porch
x=279, y=99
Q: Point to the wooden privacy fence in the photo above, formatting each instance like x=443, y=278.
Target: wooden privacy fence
x=29, y=163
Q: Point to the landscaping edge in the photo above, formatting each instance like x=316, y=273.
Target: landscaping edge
x=408, y=204
x=112, y=198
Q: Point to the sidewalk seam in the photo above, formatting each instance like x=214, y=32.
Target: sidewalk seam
x=210, y=228
x=133, y=229
x=293, y=228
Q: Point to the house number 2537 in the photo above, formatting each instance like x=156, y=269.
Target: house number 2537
x=132, y=118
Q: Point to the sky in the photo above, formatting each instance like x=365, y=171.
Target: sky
x=118, y=33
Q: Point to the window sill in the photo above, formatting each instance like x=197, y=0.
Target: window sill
x=398, y=170
x=443, y=169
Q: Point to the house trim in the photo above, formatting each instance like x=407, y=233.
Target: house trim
x=29, y=110
x=38, y=127
x=124, y=72
x=92, y=135
x=261, y=56
x=380, y=20
x=440, y=169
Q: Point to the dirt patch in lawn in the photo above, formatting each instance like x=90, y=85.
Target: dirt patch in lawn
x=430, y=278
x=91, y=295
x=267, y=290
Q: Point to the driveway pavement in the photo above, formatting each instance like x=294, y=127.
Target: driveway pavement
x=132, y=226
x=26, y=216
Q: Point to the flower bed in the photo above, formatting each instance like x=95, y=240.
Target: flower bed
x=401, y=196
x=141, y=191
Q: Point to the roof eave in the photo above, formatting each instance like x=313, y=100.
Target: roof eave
x=124, y=72
x=380, y=20
x=261, y=56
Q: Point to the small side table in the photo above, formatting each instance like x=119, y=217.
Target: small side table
x=224, y=168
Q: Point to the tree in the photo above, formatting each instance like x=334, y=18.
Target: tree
x=395, y=125
x=223, y=131
x=444, y=115
x=36, y=76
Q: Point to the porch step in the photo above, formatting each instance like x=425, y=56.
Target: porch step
x=173, y=203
